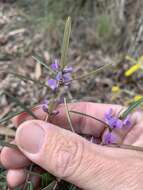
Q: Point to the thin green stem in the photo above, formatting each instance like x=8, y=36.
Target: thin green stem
x=124, y=146
x=68, y=115
x=84, y=114
x=91, y=73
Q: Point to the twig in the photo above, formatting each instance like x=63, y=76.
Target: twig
x=124, y=146
x=68, y=115
x=84, y=114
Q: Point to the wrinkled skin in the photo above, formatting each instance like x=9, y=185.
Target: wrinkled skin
x=92, y=166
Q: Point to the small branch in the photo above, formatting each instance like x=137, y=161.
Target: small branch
x=91, y=73
x=68, y=116
x=124, y=146
x=84, y=114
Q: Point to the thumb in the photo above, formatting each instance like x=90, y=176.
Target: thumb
x=71, y=157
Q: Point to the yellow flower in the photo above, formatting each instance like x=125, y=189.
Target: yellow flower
x=132, y=69
x=116, y=89
x=137, y=65
x=137, y=97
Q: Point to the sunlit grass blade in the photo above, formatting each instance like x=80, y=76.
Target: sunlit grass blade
x=17, y=101
x=65, y=45
x=93, y=72
x=86, y=115
x=7, y=144
x=43, y=64
x=25, y=78
x=131, y=108
x=68, y=116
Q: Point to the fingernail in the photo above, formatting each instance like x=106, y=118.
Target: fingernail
x=30, y=137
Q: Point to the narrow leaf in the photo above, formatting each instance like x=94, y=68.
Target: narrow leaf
x=131, y=108
x=28, y=177
x=33, y=173
x=68, y=116
x=46, y=179
x=93, y=72
x=30, y=185
x=14, y=99
x=72, y=187
x=65, y=44
x=50, y=186
x=43, y=64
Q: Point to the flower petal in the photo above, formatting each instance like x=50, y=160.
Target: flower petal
x=59, y=76
x=108, y=138
x=55, y=65
x=52, y=84
x=67, y=77
x=67, y=70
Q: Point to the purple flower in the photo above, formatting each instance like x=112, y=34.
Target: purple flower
x=67, y=77
x=45, y=105
x=67, y=70
x=112, y=121
x=55, y=65
x=53, y=84
x=59, y=76
x=127, y=122
x=115, y=122
x=108, y=138
x=62, y=77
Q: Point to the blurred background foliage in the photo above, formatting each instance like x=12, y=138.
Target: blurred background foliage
x=97, y=21
x=102, y=32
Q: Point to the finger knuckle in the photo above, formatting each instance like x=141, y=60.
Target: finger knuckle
x=67, y=156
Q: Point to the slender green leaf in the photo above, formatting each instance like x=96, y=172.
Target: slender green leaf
x=50, y=186
x=131, y=108
x=68, y=116
x=93, y=72
x=46, y=179
x=30, y=185
x=72, y=187
x=33, y=173
x=28, y=177
x=43, y=64
x=14, y=99
x=65, y=44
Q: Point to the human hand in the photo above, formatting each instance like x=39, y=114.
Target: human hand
x=70, y=156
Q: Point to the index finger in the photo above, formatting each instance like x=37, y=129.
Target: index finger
x=81, y=123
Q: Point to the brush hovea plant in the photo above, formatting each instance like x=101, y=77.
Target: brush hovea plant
x=59, y=83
